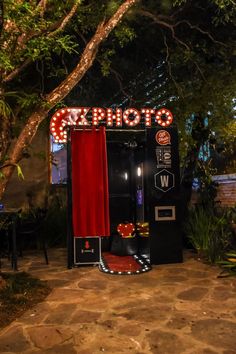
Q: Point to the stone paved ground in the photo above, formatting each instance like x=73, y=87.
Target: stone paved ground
x=177, y=308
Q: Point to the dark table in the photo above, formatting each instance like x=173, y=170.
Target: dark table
x=12, y=214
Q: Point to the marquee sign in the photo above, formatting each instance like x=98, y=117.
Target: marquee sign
x=131, y=117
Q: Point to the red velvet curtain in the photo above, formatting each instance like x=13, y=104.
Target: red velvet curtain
x=90, y=183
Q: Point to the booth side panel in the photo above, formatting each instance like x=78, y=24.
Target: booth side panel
x=163, y=184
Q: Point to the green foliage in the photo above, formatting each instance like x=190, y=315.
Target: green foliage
x=225, y=148
x=5, y=109
x=105, y=61
x=112, y=6
x=32, y=36
x=124, y=34
x=228, y=264
x=179, y=2
x=28, y=100
x=209, y=231
x=19, y=172
x=5, y=61
x=207, y=187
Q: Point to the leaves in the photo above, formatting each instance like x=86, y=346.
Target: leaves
x=124, y=34
x=228, y=264
x=19, y=172
x=5, y=109
x=208, y=232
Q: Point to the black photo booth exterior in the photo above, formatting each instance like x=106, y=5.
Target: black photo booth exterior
x=163, y=195
x=161, y=178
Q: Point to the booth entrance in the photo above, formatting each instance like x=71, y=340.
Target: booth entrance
x=123, y=187
x=126, y=174
x=126, y=156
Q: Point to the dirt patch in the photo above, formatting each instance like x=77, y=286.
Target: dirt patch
x=19, y=293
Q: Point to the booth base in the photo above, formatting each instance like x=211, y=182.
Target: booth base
x=121, y=265
x=87, y=250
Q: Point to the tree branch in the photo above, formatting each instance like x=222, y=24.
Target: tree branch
x=23, y=39
x=170, y=69
x=197, y=28
x=199, y=69
x=42, y=7
x=86, y=60
x=66, y=19
x=157, y=19
x=16, y=71
x=89, y=54
x=119, y=80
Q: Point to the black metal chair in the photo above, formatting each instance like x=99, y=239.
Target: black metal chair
x=29, y=233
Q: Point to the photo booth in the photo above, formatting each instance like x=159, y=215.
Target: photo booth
x=121, y=181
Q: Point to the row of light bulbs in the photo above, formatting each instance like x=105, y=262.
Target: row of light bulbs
x=144, y=263
x=77, y=116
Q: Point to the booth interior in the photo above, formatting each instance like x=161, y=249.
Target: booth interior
x=126, y=155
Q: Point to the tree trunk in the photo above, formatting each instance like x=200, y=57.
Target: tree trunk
x=60, y=92
x=5, y=137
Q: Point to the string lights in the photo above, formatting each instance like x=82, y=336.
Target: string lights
x=144, y=267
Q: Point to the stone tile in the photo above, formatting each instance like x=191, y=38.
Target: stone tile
x=193, y=294
x=66, y=295
x=108, y=324
x=36, y=315
x=222, y=294
x=180, y=320
x=163, y=342
x=111, y=343
x=148, y=314
x=92, y=284
x=45, y=337
x=130, y=330
x=81, y=316
x=172, y=279
x=13, y=340
x=218, y=333
x=62, y=314
x=54, y=283
x=59, y=349
x=175, y=308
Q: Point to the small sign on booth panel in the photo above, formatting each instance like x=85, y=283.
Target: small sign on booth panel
x=87, y=250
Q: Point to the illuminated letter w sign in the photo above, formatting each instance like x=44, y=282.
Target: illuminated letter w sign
x=164, y=180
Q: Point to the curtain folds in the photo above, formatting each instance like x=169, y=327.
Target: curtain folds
x=90, y=195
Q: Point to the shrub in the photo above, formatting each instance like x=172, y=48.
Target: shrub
x=209, y=231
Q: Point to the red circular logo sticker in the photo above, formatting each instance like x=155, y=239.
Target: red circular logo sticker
x=163, y=137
